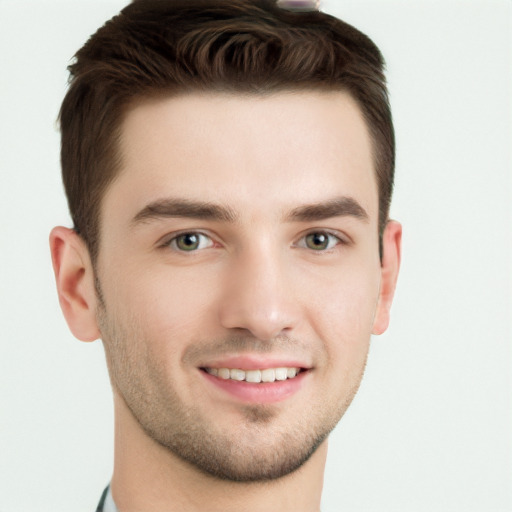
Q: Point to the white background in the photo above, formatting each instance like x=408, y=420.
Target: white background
x=431, y=428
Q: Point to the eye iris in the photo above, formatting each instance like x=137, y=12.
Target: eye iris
x=317, y=241
x=188, y=242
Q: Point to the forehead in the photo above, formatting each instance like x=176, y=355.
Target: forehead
x=254, y=153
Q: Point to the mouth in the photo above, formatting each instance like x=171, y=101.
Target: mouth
x=255, y=376
x=252, y=385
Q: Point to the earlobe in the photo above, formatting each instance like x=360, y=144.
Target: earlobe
x=74, y=277
x=391, y=242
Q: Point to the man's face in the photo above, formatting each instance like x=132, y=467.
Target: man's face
x=241, y=235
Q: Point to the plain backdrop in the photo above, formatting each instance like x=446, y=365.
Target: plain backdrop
x=431, y=428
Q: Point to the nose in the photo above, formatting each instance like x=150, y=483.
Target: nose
x=258, y=296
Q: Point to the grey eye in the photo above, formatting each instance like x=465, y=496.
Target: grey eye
x=188, y=242
x=317, y=241
x=320, y=241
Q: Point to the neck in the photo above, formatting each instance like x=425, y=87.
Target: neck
x=149, y=478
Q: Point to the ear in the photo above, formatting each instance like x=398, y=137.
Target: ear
x=75, y=282
x=391, y=245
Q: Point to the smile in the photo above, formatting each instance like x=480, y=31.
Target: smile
x=254, y=376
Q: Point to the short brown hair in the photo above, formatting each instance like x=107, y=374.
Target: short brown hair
x=239, y=46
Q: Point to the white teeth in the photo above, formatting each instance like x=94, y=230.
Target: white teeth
x=268, y=375
x=291, y=372
x=254, y=376
x=237, y=374
x=224, y=373
x=281, y=373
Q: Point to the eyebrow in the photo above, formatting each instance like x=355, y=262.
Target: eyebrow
x=164, y=208
x=183, y=208
x=338, y=207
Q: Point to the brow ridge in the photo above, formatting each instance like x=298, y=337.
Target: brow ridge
x=343, y=206
x=163, y=208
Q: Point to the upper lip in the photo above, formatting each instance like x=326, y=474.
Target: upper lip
x=256, y=362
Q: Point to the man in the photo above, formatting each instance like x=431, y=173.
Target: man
x=228, y=167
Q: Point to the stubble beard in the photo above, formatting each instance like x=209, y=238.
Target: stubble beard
x=258, y=449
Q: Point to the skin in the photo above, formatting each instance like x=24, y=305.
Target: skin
x=256, y=286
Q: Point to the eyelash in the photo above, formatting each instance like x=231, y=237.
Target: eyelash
x=333, y=237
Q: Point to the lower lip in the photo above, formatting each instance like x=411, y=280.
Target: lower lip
x=262, y=393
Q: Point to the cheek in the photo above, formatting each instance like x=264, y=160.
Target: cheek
x=171, y=306
x=344, y=314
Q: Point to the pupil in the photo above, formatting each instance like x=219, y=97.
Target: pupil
x=189, y=241
x=318, y=240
